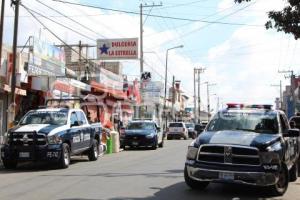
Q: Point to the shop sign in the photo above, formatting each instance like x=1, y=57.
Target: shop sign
x=112, y=49
x=151, y=92
x=46, y=60
x=75, y=83
x=111, y=80
x=18, y=91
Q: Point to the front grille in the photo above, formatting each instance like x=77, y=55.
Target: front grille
x=135, y=137
x=27, y=139
x=229, y=155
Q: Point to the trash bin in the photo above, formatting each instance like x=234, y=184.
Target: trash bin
x=115, y=141
x=109, y=145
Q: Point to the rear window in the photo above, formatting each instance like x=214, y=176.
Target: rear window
x=176, y=125
x=189, y=125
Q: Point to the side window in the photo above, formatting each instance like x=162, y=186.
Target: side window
x=283, y=122
x=73, y=118
x=81, y=117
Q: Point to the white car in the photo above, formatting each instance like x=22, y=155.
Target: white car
x=177, y=130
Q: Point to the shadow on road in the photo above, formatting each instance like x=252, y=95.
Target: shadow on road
x=180, y=191
x=39, y=166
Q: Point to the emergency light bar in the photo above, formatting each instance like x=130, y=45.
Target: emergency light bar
x=255, y=106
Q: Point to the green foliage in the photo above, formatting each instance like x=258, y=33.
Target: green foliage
x=286, y=20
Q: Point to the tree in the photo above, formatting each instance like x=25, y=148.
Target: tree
x=287, y=20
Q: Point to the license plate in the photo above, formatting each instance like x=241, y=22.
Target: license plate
x=226, y=176
x=135, y=143
x=24, y=154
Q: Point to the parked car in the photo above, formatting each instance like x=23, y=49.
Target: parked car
x=246, y=145
x=142, y=134
x=177, y=130
x=191, y=130
x=52, y=135
x=199, y=128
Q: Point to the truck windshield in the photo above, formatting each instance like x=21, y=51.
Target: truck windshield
x=147, y=126
x=45, y=117
x=254, y=122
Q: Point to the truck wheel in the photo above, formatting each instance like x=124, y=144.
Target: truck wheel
x=10, y=164
x=282, y=184
x=94, y=151
x=65, y=158
x=294, y=172
x=196, y=185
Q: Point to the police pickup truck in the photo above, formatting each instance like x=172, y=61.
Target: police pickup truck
x=245, y=144
x=51, y=134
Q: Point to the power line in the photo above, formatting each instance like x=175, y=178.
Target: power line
x=159, y=16
x=75, y=31
x=82, y=25
x=55, y=35
x=205, y=26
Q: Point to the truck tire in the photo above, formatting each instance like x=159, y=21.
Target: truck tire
x=65, y=157
x=193, y=184
x=10, y=164
x=94, y=151
x=281, y=186
x=154, y=147
x=294, y=172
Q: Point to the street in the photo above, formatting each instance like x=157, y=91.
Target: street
x=132, y=174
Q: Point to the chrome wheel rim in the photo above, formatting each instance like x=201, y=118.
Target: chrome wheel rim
x=66, y=157
x=95, y=151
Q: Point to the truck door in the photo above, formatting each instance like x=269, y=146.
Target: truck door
x=86, y=130
x=291, y=142
x=75, y=132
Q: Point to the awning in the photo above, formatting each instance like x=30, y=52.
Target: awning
x=119, y=94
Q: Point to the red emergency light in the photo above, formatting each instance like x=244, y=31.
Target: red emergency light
x=235, y=105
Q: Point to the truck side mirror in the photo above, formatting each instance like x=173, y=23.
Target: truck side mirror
x=158, y=129
x=292, y=133
x=292, y=124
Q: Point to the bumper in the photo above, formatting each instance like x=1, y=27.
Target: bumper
x=140, y=142
x=250, y=178
x=176, y=134
x=34, y=153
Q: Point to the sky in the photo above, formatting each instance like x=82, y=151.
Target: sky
x=241, y=61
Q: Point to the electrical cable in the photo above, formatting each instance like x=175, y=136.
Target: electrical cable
x=82, y=25
x=159, y=16
x=75, y=31
x=50, y=31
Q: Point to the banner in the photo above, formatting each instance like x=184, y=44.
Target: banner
x=111, y=80
x=151, y=92
x=46, y=60
x=117, y=49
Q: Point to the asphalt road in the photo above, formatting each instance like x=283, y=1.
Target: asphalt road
x=132, y=174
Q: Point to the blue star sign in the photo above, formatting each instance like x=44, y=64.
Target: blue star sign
x=104, y=49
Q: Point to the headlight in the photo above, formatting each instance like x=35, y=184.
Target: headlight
x=192, y=153
x=274, y=147
x=54, y=139
x=6, y=138
x=150, y=135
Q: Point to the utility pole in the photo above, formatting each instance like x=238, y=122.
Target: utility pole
x=1, y=29
x=13, y=75
x=292, y=77
x=195, y=99
x=199, y=71
x=173, y=97
x=208, y=103
x=280, y=91
x=141, y=45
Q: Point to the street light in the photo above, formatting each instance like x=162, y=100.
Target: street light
x=166, y=76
